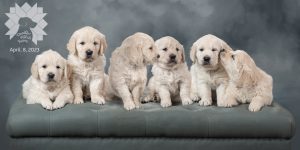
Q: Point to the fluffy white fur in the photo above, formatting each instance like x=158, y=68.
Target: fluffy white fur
x=88, y=70
x=171, y=78
x=208, y=75
x=41, y=89
x=127, y=72
x=248, y=83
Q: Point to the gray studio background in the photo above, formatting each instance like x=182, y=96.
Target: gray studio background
x=269, y=30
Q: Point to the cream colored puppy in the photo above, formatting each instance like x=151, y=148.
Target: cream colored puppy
x=86, y=56
x=171, y=78
x=248, y=83
x=207, y=72
x=48, y=84
x=128, y=72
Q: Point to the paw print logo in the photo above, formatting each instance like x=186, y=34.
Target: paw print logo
x=26, y=23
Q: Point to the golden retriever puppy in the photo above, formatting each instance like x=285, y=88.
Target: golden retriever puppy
x=247, y=82
x=207, y=72
x=86, y=56
x=48, y=84
x=171, y=78
x=127, y=73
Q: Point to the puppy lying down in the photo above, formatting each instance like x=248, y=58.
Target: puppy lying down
x=48, y=84
x=171, y=78
x=247, y=82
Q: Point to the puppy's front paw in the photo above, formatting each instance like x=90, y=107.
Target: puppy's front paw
x=227, y=103
x=98, y=100
x=165, y=103
x=129, y=105
x=187, y=101
x=78, y=101
x=58, y=104
x=205, y=102
x=255, y=106
x=195, y=97
x=47, y=104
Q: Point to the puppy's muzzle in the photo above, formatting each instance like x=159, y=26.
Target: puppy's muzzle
x=89, y=53
x=206, y=60
x=172, y=58
x=51, y=76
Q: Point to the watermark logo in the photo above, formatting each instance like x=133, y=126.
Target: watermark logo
x=26, y=23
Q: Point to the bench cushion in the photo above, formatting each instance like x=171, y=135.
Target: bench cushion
x=112, y=120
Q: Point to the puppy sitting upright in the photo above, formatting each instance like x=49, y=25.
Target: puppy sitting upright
x=49, y=81
x=247, y=82
x=127, y=71
x=86, y=56
x=171, y=78
x=207, y=72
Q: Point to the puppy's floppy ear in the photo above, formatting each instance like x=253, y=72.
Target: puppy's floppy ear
x=193, y=53
x=71, y=46
x=182, y=54
x=34, y=70
x=133, y=52
x=248, y=69
x=67, y=71
x=103, y=46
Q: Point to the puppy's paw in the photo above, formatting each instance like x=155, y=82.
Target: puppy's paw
x=148, y=98
x=205, y=102
x=227, y=103
x=255, y=106
x=58, y=104
x=98, y=100
x=129, y=105
x=187, y=101
x=78, y=101
x=195, y=97
x=47, y=104
x=165, y=103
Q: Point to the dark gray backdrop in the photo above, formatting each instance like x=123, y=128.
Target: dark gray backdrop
x=269, y=30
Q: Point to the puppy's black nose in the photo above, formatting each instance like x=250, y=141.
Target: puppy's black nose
x=172, y=56
x=206, y=58
x=51, y=75
x=89, y=52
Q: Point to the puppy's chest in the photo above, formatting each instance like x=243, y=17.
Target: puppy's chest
x=53, y=92
x=168, y=77
x=214, y=79
x=87, y=73
x=136, y=76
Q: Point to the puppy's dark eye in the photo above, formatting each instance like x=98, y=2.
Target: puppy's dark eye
x=232, y=56
x=151, y=48
x=58, y=67
x=201, y=49
x=82, y=43
x=44, y=66
x=214, y=49
x=95, y=43
x=164, y=49
x=177, y=49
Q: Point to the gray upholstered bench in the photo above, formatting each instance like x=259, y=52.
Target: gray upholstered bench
x=90, y=126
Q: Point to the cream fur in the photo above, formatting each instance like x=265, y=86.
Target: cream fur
x=127, y=72
x=88, y=72
x=208, y=76
x=248, y=83
x=171, y=78
x=39, y=89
